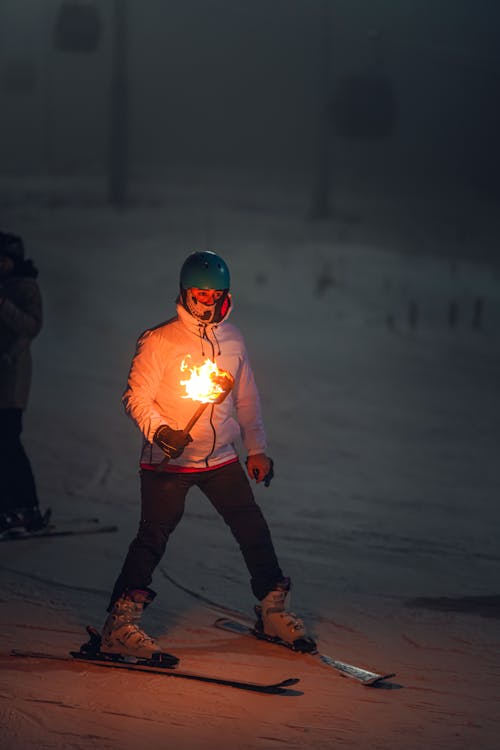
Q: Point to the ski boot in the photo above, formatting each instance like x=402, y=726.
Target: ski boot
x=276, y=623
x=35, y=521
x=123, y=638
x=20, y=520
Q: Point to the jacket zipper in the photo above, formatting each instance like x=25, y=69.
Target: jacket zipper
x=205, y=336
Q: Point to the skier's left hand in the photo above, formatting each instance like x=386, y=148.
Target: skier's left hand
x=260, y=468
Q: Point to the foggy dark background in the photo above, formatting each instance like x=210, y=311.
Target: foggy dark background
x=235, y=93
x=343, y=157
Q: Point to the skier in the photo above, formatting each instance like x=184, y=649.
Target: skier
x=20, y=322
x=206, y=458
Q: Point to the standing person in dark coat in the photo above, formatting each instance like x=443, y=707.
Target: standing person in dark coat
x=20, y=322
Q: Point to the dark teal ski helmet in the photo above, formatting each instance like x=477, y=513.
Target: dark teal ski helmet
x=204, y=270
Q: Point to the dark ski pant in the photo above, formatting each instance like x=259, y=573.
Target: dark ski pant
x=163, y=497
x=17, y=484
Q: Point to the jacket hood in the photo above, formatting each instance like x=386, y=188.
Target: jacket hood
x=12, y=246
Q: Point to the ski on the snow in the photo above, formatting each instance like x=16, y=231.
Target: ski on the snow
x=66, y=528
x=165, y=665
x=365, y=676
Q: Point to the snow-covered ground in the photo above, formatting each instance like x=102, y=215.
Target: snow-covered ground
x=384, y=508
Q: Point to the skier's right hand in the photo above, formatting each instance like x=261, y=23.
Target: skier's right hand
x=172, y=442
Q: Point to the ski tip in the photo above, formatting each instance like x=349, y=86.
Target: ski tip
x=288, y=683
x=379, y=679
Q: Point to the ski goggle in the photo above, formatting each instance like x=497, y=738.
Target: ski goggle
x=207, y=296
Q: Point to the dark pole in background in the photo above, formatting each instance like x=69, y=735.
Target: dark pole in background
x=118, y=112
x=321, y=192
x=48, y=146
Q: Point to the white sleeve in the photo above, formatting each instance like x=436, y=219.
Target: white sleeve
x=145, y=375
x=248, y=410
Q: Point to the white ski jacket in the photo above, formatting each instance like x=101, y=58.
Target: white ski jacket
x=155, y=396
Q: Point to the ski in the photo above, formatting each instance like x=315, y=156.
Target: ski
x=74, y=528
x=277, y=688
x=78, y=521
x=164, y=665
x=365, y=676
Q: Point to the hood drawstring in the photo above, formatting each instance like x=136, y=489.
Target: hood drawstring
x=217, y=342
x=202, y=334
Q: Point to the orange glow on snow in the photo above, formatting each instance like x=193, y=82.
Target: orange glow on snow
x=205, y=383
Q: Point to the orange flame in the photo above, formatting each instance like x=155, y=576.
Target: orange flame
x=206, y=383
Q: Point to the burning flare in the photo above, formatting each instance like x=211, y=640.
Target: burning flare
x=206, y=383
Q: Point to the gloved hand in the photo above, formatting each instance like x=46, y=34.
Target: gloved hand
x=261, y=468
x=172, y=442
